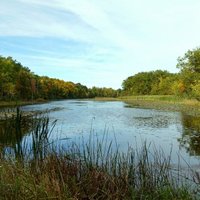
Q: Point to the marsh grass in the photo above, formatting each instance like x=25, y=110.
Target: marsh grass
x=93, y=169
x=164, y=102
x=154, y=97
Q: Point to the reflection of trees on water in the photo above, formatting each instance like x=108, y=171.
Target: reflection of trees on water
x=190, y=138
x=12, y=132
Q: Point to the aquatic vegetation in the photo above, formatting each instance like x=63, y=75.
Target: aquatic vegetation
x=90, y=170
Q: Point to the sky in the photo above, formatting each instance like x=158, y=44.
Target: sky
x=98, y=42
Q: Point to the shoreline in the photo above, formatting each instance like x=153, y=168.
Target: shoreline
x=158, y=102
x=7, y=104
x=186, y=106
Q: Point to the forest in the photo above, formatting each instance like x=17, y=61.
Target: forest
x=185, y=83
x=19, y=83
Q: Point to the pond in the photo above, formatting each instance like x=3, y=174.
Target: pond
x=173, y=132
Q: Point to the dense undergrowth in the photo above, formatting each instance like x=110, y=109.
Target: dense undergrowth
x=93, y=170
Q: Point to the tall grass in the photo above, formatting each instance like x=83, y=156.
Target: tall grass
x=94, y=169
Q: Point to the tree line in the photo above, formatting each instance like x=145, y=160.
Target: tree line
x=19, y=83
x=185, y=83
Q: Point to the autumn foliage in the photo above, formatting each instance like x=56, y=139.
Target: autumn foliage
x=18, y=82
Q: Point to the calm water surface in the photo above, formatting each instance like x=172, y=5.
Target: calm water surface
x=171, y=131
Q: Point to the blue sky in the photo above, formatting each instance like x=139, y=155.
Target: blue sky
x=98, y=42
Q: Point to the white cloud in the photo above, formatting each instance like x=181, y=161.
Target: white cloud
x=124, y=37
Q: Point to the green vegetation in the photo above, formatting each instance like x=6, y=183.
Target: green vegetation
x=190, y=140
x=186, y=83
x=146, y=83
x=164, y=102
x=19, y=83
x=94, y=170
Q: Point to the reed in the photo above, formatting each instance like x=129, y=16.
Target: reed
x=93, y=169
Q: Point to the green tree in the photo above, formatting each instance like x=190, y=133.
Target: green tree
x=190, y=61
x=17, y=81
x=196, y=90
x=144, y=83
x=189, y=65
x=23, y=85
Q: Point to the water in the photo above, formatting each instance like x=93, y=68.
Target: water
x=173, y=132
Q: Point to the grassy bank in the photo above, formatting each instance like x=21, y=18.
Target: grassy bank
x=20, y=103
x=91, y=170
x=160, y=102
x=166, y=102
